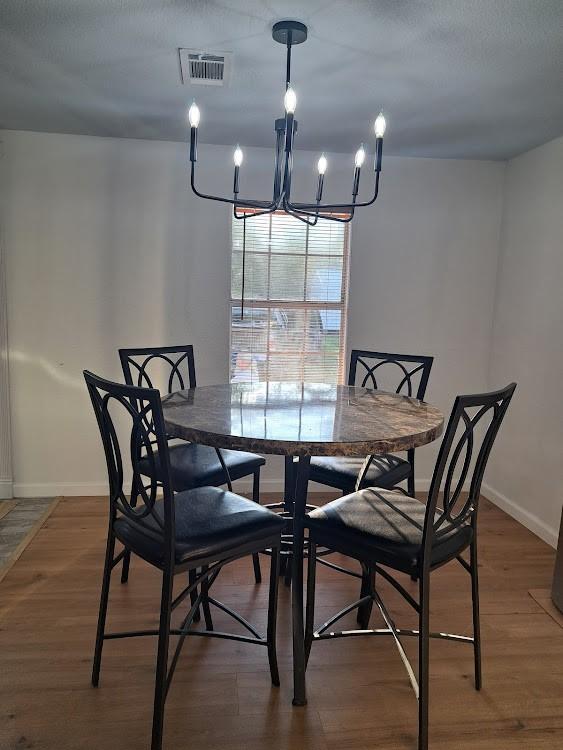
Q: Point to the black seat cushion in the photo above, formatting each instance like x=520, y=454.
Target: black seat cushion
x=209, y=523
x=379, y=525
x=386, y=470
x=194, y=465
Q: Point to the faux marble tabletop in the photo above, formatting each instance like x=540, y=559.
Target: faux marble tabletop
x=301, y=419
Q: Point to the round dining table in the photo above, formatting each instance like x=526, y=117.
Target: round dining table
x=300, y=420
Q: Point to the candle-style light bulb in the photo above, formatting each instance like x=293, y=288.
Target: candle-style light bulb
x=238, y=156
x=322, y=164
x=290, y=101
x=194, y=115
x=360, y=157
x=379, y=126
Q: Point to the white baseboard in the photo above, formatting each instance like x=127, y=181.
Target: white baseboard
x=89, y=489
x=60, y=489
x=523, y=516
x=6, y=489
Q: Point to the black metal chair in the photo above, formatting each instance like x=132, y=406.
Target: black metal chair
x=192, y=465
x=201, y=529
x=403, y=373
x=379, y=526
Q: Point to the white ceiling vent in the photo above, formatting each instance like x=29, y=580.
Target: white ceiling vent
x=205, y=68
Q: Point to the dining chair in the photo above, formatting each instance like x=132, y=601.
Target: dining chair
x=406, y=374
x=192, y=465
x=387, y=527
x=200, y=529
x=403, y=373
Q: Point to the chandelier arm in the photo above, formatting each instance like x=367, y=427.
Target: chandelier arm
x=340, y=219
x=309, y=207
x=299, y=216
x=253, y=214
x=245, y=203
x=327, y=217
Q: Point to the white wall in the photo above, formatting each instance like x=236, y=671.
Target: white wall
x=525, y=471
x=107, y=248
x=6, y=483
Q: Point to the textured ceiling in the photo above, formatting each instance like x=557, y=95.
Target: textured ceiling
x=456, y=78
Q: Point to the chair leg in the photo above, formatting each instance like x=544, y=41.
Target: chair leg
x=273, y=615
x=288, y=506
x=205, y=603
x=310, y=605
x=110, y=551
x=423, y=660
x=162, y=661
x=192, y=575
x=367, y=589
x=125, y=566
x=127, y=556
x=256, y=498
x=288, y=568
x=410, y=478
x=476, y=619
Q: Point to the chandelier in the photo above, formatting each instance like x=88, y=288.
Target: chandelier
x=290, y=33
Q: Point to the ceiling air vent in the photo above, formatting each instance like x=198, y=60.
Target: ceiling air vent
x=205, y=68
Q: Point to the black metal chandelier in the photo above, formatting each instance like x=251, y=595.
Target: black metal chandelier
x=290, y=33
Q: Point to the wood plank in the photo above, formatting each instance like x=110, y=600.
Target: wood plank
x=5, y=507
x=18, y=551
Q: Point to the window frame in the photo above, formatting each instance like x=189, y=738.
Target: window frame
x=270, y=304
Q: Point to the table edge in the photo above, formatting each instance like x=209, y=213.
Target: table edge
x=305, y=447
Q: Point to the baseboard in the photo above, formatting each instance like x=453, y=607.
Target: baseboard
x=6, y=489
x=88, y=489
x=523, y=516
x=60, y=489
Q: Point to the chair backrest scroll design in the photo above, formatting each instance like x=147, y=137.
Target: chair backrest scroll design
x=131, y=424
x=466, y=446
x=367, y=366
x=140, y=366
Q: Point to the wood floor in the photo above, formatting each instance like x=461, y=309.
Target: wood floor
x=221, y=697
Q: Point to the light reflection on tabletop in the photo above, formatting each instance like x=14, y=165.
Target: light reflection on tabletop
x=300, y=418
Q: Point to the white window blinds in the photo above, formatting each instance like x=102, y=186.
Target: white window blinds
x=295, y=300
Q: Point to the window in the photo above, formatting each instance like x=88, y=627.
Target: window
x=295, y=299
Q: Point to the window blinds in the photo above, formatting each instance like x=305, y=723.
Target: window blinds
x=295, y=300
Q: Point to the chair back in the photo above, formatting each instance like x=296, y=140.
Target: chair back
x=171, y=367
x=472, y=428
x=131, y=422
x=403, y=373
